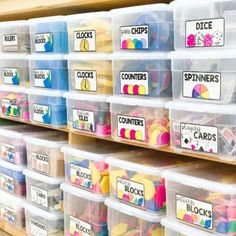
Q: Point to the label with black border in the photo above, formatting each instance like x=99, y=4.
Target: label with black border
x=44, y=42
x=10, y=40
x=37, y=228
x=86, y=80
x=40, y=162
x=85, y=41
x=80, y=227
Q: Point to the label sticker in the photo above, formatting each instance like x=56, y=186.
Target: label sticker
x=11, y=76
x=79, y=227
x=134, y=83
x=194, y=212
x=86, y=80
x=7, y=183
x=42, y=113
x=199, y=138
x=85, y=41
x=130, y=191
x=37, y=228
x=134, y=37
x=7, y=214
x=44, y=42
x=9, y=107
x=81, y=176
x=10, y=40
x=43, y=78
x=40, y=162
x=205, y=33
x=8, y=152
x=83, y=120
x=202, y=85
x=131, y=127
x=39, y=196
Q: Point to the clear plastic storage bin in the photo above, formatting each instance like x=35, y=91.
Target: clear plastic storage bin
x=48, y=72
x=12, y=143
x=126, y=220
x=203, y=196
x=204, y=76
x=44, y=191
x=44, y=153
x=14, y=37
x=14, y=102
x=88, y=113
x=204, y=129
x=14, y=69
x=90, y=32
x=48, y=35
x=146, y=75
x=12, y=210
x=12, y=179
x=205, y=24
x=47, y=107
x=138, y=120
x=90, y=73
x=148, y=27
x=41, y=222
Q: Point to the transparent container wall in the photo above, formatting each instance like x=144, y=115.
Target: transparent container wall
x=94, y=77
x=215, y=133
x=204, y=80
x=97, y=113
x=138, y=124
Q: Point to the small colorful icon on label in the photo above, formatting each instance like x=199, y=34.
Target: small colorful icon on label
x=83, y=120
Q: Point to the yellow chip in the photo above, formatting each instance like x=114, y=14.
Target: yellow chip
x=138, y=135
x=141, y=90
x=105, y=184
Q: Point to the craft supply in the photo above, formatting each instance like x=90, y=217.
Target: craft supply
x=85, y=212
x=88, y=113
x=44, y=191
x=48, y=35
x=48, y=72
x=90, y=73
x=90, y=32
x=44, y=153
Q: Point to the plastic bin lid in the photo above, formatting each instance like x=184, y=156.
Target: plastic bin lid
x=88, y=56
x=11, y=166
x=45, y=92
x=49, y=57
x=45, y=20
x=102, y=14
x=206, y=108
x=86, y=97
x=139, y=56
x=43, y=178
x=184, y=229
x=12, y=89
x=13, y=23
x=36, y=211
x=145, y=102
x=82, y=193
x=132, y=211
x=8, y=199
x=208, y=176
x=187, y=2
x=9, y=56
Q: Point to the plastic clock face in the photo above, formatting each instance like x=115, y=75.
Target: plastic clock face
x=85, y=85
x=84, y=45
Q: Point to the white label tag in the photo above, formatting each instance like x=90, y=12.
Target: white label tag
x=37, y=228
x=10, y=40
x=43, y=78
x=8, y=152
x=44, y=42
x=7, y=214
x=194, y=212
x=202, y=85
x=130, y=191
x=40, y=162
x=131, y=127
x=85, y=41
x=86, y=80
x=81, y=176
x=134, y=37
x=199, y=138
x=7, y=183
x=39, y=196
x=42, y=113
x=9, y=107
x=11, y=76
x=134, y=83
x=205, y=33
x=83, y=120
x=79, y=227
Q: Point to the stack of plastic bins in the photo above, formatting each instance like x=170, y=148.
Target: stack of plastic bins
x=203, y=72
x=48, y=70
x=142, y=37
x=202, y=200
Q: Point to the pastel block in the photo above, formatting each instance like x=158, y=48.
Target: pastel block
x=104, y=184
x=114, y=174
x=95, y=174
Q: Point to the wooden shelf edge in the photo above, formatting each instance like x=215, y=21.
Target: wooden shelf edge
x=11, y=229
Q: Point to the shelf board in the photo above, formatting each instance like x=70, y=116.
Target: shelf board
x=11, y=230
x=12, y=10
